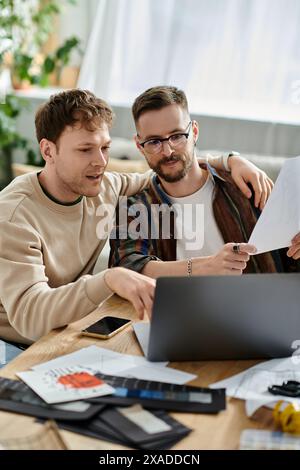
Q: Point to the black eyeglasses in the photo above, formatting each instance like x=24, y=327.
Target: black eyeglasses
x=177, y=140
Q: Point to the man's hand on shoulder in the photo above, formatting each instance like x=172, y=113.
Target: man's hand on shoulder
x=244, y=172
x=132, y=286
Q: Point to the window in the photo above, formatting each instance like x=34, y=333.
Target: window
x=230, y=56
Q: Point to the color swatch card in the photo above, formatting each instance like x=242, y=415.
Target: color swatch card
x=259, y=439
x=61, y=384
x=162, y=395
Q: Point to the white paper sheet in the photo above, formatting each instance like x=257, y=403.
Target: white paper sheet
x=110, y=362
x=159, y=374
x=106, y=360
x=142, y=332
x=280, y=219
x=252, y=384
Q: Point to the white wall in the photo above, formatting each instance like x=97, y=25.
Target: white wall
x=219, y=133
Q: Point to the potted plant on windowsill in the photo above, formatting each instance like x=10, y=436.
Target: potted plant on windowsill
x=39, y=70
x=10, y=139
x=25, y=28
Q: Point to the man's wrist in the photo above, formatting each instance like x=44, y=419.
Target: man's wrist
x=226, y=159
x=108, y=278
x=199, y=266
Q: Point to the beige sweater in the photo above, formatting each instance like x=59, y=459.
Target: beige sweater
x=48, y=252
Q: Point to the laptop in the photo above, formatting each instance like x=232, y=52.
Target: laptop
x=225, y=317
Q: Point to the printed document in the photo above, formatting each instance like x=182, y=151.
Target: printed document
x=110, y=362
x=280, y=219
x=252, y=384
x=65, y=384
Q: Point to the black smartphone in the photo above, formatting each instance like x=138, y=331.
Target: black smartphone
x=106, y=327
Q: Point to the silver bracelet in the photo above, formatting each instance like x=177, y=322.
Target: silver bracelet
x=190, y=267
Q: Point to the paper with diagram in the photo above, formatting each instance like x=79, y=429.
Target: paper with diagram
x=63, y=384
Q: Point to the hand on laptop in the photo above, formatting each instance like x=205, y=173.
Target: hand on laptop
x=132, y=286
x=294, y=250
x=231, y=259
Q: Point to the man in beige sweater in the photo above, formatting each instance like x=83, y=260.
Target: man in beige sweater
x=49, y=223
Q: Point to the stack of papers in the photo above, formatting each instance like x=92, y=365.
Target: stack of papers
x=83, y=375
x=72, y=377
x=252, y=384
x=110, y=362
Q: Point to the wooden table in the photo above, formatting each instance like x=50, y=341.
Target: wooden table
x=221, y=431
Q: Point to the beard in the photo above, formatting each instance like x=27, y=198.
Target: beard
x=172, y=177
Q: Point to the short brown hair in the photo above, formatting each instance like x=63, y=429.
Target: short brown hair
x=157, y=98
x=69, y=108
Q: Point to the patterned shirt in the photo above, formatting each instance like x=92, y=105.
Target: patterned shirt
x=235, y=216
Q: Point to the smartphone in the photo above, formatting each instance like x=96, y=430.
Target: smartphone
x=106, y=327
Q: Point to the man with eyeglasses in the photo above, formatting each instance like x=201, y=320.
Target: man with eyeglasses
x=49, y=222
x=181, y=186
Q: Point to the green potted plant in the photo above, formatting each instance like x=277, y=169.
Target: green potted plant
x=10, y=139
x=24, y=30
